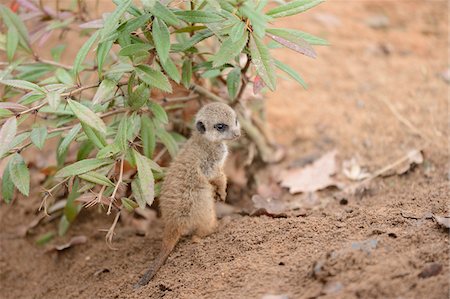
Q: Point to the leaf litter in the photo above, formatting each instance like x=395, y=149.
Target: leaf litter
x=312, y=177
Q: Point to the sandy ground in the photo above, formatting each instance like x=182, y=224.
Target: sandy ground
x=379, y=245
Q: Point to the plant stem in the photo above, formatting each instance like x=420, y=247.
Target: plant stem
x=206, y=93
x=113, y=195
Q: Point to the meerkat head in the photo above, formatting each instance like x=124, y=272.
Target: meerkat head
x=217, y=122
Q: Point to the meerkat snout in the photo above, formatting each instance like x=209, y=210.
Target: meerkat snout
x=217, y=122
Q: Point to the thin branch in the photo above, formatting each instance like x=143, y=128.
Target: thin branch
x=110, y=233
x=244, y=79
x=113, y=196
x=206, y=93
x=54, y=63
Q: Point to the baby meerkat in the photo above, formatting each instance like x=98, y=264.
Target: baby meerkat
x=194, y=179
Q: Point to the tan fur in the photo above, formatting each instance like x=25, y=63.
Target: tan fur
x=193, y=180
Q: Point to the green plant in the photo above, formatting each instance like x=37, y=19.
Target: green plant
x=142, y=55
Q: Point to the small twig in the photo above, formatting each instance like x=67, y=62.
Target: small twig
x=244, y=79
x=384, y=169
x=113, y=195
x=110, y=233
x=160, y=154
x=265, y=151
x=78, y=90
x=54, y=63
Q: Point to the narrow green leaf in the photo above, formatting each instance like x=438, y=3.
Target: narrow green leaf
x=102, y=52
x=108, y=151
x=112, y=21
x=195, y=39
x=133, y=24
x=237, y=31
x=94, y=136
x=158, y=112
x=262, y=61
x=64, y=76
x=7, y=134
x=122, y=133
x=145, y=178
x=71, y=210
x=45, y=238
x=82, y=166
x=148, y=136
x=105, y=91
x=168, y=141
x=22, y=84
x=87, y=116
x=63, y=225
x=197, y=16
x=291, y=34
x=38, y=136
x=4, y=113
x=54, y=99
x=258, y=19
x=13, y=20
x=97, y=178
x=12, y=40
x=161, y=38
x=162, y=12
x=229, y=50
x=186, y=73
x=171, y=70
x=293, y=8
x=67, y=140
x=82, y=53
x=57, y=51
x=233, y=81
x=293, y=42
x=85, y=150
x=291, y=72
x=7, y=185
x=153, y=78
x=135, y=49
x=139, y=96
x=129, y=204
x=19, y=173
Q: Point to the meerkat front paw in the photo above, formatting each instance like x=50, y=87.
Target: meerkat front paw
x=221, y=194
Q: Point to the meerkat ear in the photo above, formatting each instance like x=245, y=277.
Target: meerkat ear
x=200, y=127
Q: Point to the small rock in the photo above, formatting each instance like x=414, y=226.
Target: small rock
x=431, y=269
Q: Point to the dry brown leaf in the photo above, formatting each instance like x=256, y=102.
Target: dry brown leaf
x=23, y=229
x=313, y=177
x=415, y=157
x=353, y=171
x=275, y=208
x=442, y=221
x=74, y=241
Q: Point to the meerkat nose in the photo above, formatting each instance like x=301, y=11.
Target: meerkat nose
x=237, y=133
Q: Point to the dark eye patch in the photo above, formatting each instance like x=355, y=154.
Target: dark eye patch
x=221, y=127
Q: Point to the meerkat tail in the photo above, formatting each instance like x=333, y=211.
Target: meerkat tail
x=167, y=247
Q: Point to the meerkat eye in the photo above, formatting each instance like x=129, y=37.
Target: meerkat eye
x=221, y=127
